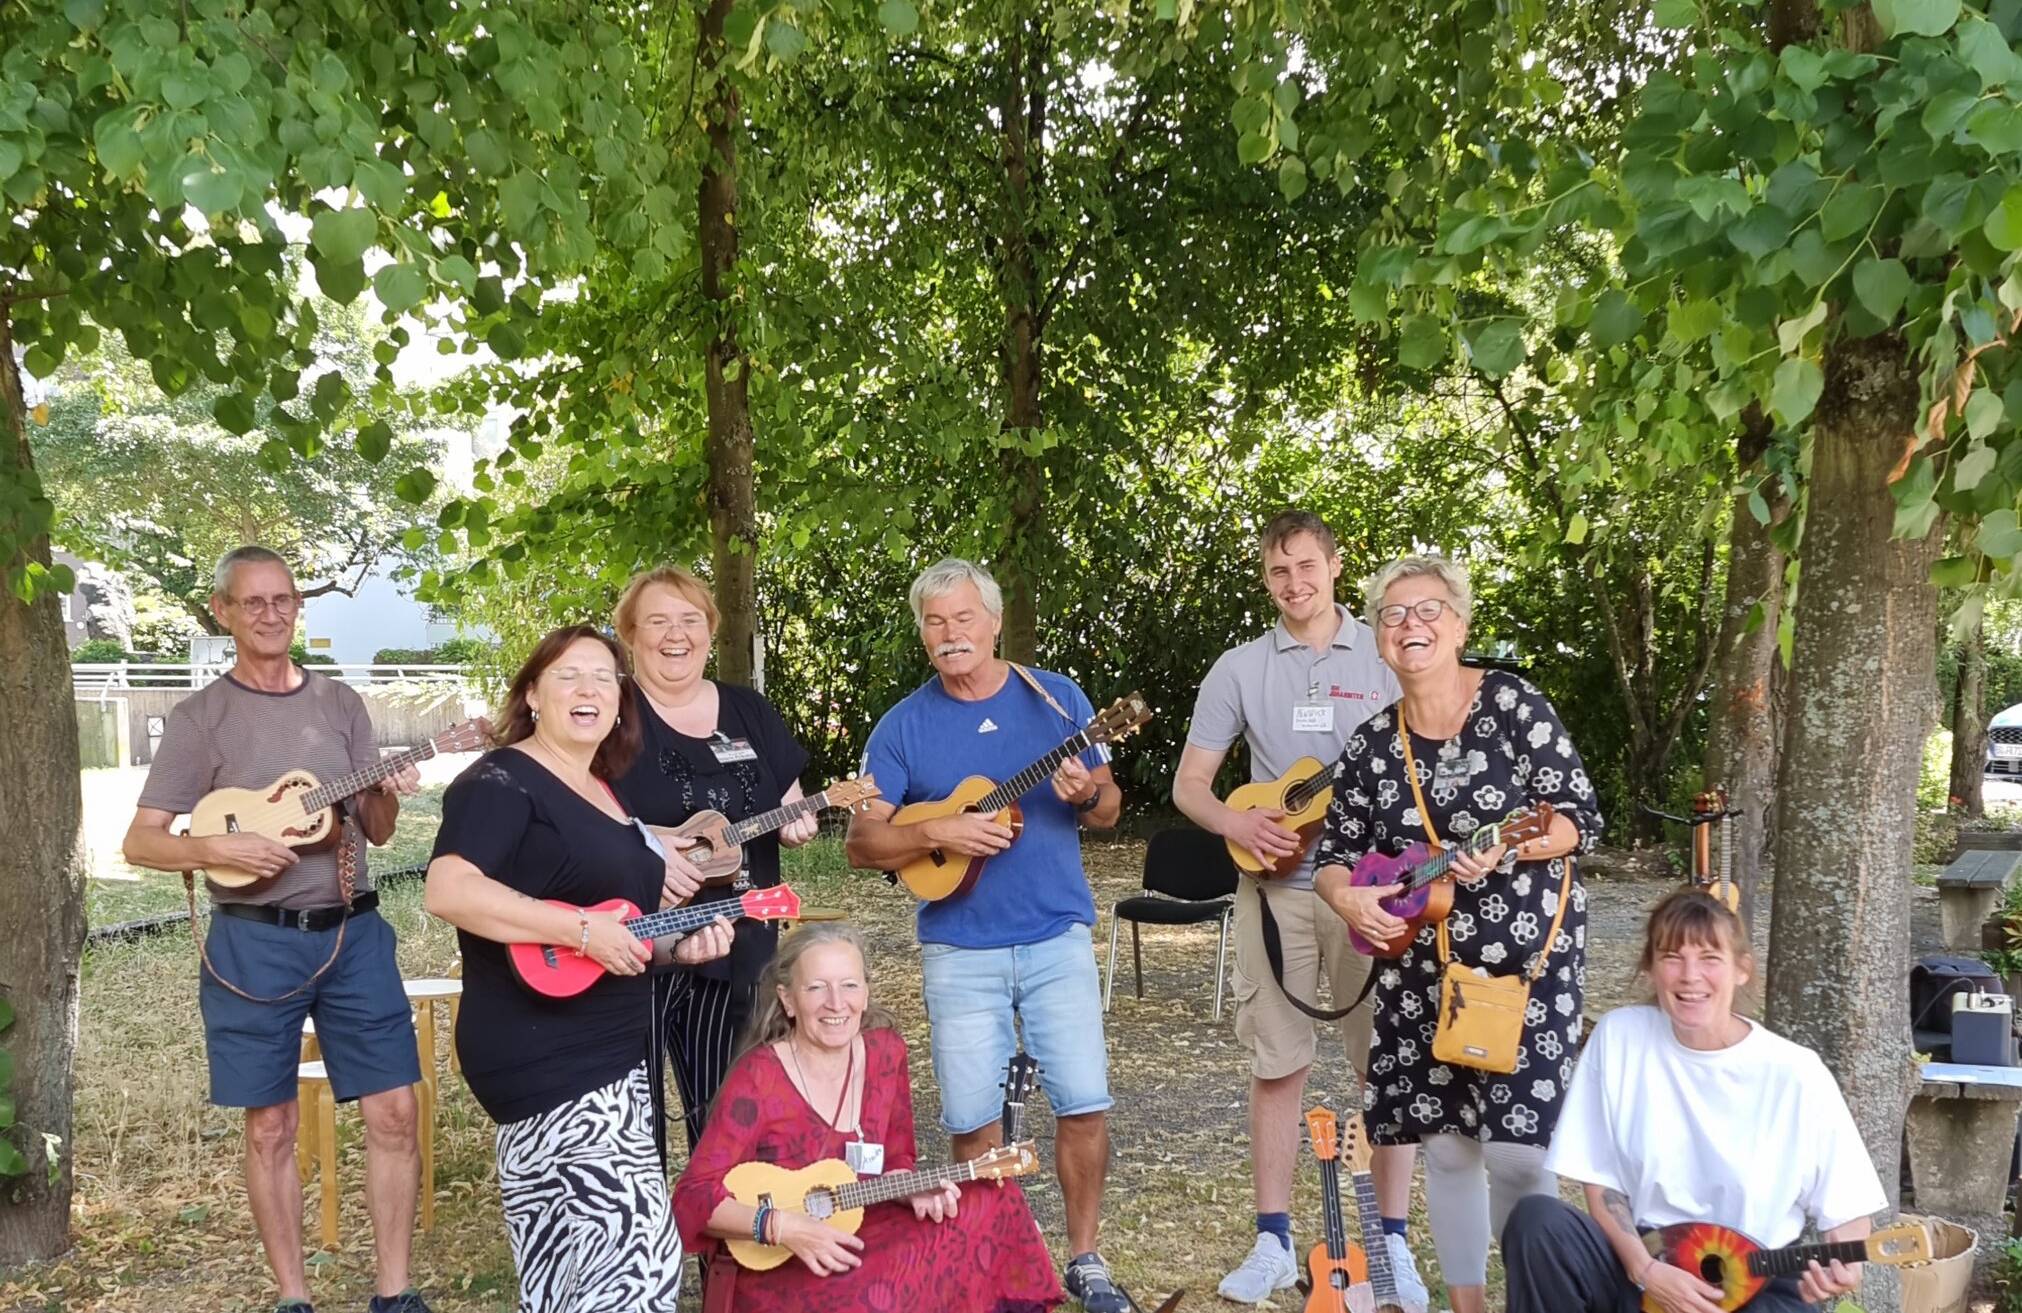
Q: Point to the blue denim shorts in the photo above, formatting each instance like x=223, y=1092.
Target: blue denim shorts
x=363, y=1024
x=1051, y=988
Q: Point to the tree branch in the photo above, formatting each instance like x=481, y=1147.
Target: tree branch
x=1114, y=172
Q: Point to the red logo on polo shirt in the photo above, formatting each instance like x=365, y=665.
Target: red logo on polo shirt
x=1336, y=691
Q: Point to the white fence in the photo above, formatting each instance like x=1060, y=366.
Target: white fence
x=103, y=679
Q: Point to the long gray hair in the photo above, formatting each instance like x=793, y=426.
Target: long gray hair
x=769, y=1019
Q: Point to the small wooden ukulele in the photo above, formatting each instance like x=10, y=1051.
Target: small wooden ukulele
x=940, y=874
x=1427, y=895
x=714, y=843
x=830, y=1193
x=1018, y=1074
x=1336, y=1264
x=1302, y=793
x=559, y=973
x=1723, y=1257
x=299, y=810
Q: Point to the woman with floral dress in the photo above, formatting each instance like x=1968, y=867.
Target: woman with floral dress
x=1483, y=744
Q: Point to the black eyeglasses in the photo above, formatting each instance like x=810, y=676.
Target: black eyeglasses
x=1428, y=610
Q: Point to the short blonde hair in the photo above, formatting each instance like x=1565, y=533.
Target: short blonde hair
x=1449, y=574
x=625, y=617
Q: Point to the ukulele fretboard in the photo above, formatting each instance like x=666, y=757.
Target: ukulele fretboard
x=337, y=790
x=680, y=921
x=1441, y=862
x=900, y=1185
x=1382, y=1283
x=1794, y=1260
x=1022, y=783
x=751, y=827
x=1330, y=1203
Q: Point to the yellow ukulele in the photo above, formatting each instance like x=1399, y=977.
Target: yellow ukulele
x=941, y=874
x=830, y=1193
x=1302, y=793
x=300, y=810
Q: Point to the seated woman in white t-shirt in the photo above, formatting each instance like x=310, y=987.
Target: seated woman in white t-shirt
x=1689, y=1112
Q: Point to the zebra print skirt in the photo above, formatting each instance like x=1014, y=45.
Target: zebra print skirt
x=586, y=1206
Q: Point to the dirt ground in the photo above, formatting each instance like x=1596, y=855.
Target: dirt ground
x=161, y=1222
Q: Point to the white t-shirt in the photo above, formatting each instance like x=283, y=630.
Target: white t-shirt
x=1754, y=1136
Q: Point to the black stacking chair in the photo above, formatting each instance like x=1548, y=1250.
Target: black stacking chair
x=1188, y=879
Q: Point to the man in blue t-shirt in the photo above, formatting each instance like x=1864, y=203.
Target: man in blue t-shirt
x=1016, y=948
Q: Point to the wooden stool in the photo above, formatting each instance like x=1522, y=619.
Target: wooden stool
x=812, y=914
x=422, y=996
x=316, y=1104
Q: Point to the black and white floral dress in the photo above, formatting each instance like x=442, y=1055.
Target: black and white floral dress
x=1512, y=752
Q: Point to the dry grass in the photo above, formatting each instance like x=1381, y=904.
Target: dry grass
x=161, y=1221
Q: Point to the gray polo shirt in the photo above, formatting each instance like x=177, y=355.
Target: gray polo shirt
x=1287, y=701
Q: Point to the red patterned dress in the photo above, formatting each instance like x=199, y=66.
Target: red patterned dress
x=988, y=1258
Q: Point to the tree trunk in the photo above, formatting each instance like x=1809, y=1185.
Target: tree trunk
x=41, y=874
x=1022, y=124
x=1741, y=730
x=733, y=513
x=1969, y=725
x=1862, y=668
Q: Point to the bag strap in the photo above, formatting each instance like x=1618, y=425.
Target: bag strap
x=1040, y=689
x=1425, y=818
x=1274, y=950
x=349, y=844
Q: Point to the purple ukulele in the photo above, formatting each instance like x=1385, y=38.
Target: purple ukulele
x=1427, y=895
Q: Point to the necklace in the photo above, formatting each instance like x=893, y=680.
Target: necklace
x=842, y=1095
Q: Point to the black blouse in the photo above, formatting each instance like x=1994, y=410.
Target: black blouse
x=522, y=1053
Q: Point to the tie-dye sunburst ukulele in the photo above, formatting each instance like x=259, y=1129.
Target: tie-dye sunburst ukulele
x=1728, y=1259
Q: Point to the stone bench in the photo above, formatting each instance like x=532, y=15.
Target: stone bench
x=1969, y=890
x=1961, y=1134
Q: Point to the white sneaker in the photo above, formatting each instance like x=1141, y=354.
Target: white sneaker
x=1404, y=1269
x=1269, y=1268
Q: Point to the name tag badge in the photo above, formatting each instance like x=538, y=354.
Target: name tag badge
x=1308, y=718
x=1450, y=771
x=728, y=750
x=652, y=839
x=865, y=1158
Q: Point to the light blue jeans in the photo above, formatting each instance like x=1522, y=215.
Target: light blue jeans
x=975, y=995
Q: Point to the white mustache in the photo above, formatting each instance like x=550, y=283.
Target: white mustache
x=950, y=649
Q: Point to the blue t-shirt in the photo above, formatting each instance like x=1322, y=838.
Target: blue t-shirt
x=931, y=742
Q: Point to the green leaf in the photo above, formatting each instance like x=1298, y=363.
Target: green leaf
x=1795, y=391
x=1576, y=530
x=380, y=183
x=1849, y=211
x=11, y=1161
x=1983, y=414
x=2000, y=534
x=234, y=413
x=1915, y=495
x=1765, y=229
x=1421, y=342
x=1473, y=233
x=1996, y=128
x=6, y=1111
x=2003, y=228
x=6, y=1014
x=455, y=269
x=488, y=154
x=1497, y=346
x=400, y=287
x=414, y=486
x=1675, y=13
x=1689, y=321
x=1955, y=571
x=1292, y=178
x=899, y=16
x=340, y=280
x=1804, y=66
x=519, y=199
x=1916, y=17
x=1615, y=319
x=1974, y=466
x=783, y=39
x=1812, y=260
x=1790, y=333
x=1881, y=286
x=210, y=189
x=84, y=14
x=1254, y=148
x=343, y=234
x=1982, y=46
x=1369, y=302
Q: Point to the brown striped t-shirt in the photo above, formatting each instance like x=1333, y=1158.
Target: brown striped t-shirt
x=227, y=735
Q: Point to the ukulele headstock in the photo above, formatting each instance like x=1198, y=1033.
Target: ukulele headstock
x=1523, y=826
x=1006, y=1161
x=1355, y=1148
x=473, y=735
x=1119, y=719
x=1325, y=1132
x=1905, y=1242
x=779, y=903
x=852, y=794
x=1018, y=1074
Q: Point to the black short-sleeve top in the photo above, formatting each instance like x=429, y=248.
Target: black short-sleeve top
x=523, y=1053
x=744, y=767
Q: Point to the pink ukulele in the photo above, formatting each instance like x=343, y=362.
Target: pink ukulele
x=558, y=973
x=1427, y=895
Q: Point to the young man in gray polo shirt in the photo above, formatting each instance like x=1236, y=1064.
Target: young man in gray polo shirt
x=1298, y=691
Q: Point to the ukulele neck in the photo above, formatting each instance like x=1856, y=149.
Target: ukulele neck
x=337, y=790
x=1024, y=781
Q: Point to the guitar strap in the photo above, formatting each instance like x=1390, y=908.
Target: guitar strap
x=1040, y=689
x=1274, y=949
x=349, y=844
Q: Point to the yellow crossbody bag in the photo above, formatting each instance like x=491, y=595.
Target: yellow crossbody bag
x=1481, y=1017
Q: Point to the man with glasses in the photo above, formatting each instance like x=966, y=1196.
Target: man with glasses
x=1298, y=691
x=286, y=946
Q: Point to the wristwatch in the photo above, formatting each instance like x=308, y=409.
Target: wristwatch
x=1090, y=803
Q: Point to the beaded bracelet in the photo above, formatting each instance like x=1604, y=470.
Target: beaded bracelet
x=583, y=946
x=758, y=1221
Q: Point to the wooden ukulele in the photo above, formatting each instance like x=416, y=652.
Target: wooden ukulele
x=1302, y=793
x=299, y=810
x=940, y=874
x=1018, y=1074
x=1347, y=1277
x=830, y=1193
x=715, y=844
x=1723, y=1257
x=1427, y=895
x=558, y=973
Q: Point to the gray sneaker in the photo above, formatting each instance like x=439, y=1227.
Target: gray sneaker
x=1269, y=1268
x=1404, y=1269
x=1087, y=1279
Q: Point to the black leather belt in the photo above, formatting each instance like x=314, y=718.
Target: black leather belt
x=299, y=918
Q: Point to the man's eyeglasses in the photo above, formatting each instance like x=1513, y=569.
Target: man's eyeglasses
x=1428, y=610
x=281, y=604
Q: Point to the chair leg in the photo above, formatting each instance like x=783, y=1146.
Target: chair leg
x=305, y=1126
x=1137, y=956
x=1221, y=962
x=425, y=1110
x=326, y=1154
x=1109, y=977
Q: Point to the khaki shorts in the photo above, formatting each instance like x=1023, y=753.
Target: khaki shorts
x=1278, y=1035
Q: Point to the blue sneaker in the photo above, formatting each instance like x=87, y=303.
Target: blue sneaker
x=1088, y=1280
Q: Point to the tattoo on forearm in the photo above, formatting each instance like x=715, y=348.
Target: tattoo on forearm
x=1616, y=1205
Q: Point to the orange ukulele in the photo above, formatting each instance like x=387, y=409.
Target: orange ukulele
x=1346, y=1277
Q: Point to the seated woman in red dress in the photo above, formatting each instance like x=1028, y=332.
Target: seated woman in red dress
x=824, y=1068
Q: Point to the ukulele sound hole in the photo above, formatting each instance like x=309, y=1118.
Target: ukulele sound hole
x=819, y=1204
x=1712, y=1270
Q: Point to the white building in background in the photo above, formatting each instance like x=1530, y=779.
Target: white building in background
x=383, y=614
